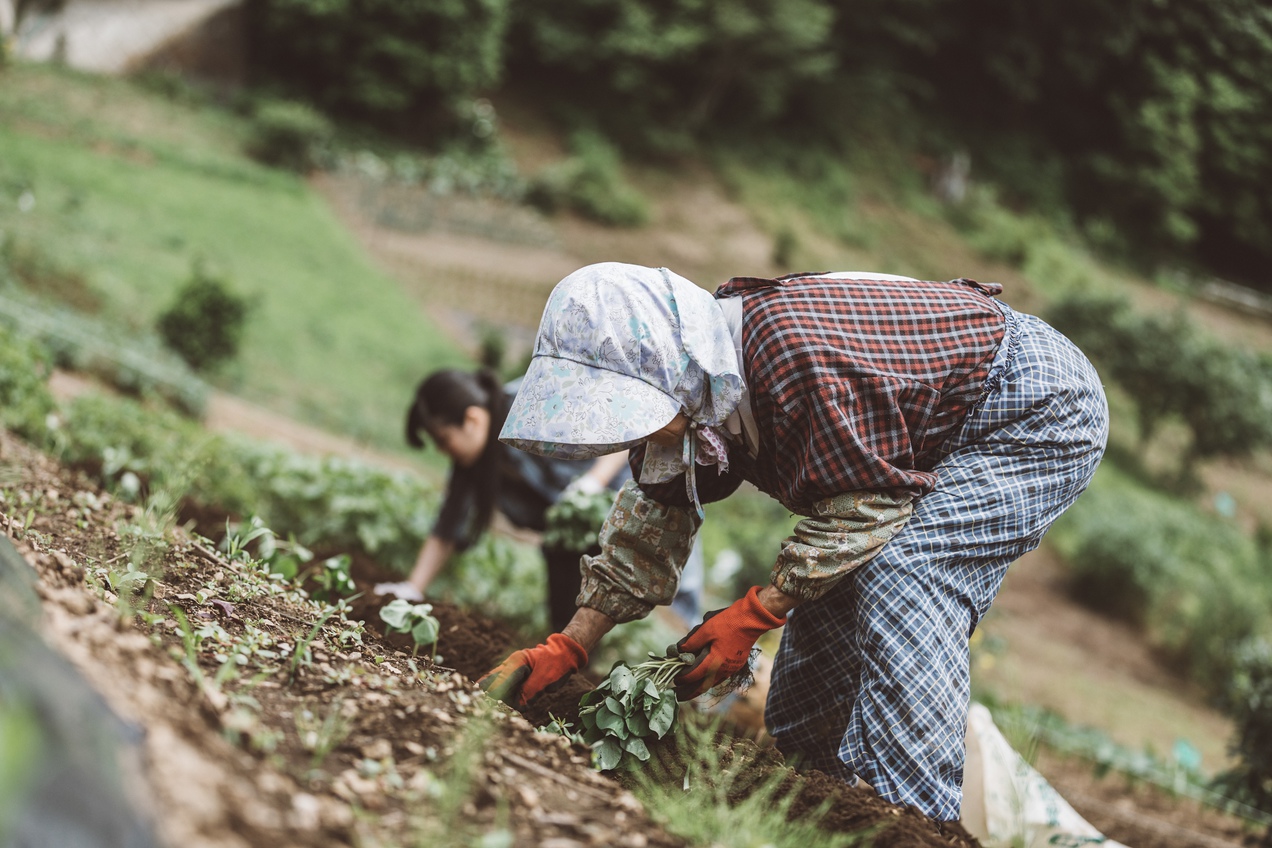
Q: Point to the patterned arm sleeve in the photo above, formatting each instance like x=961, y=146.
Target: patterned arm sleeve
x=843, y=533
x=644, y=547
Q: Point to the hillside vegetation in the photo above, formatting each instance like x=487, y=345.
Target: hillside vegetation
x=110, y=193
x=108, y=197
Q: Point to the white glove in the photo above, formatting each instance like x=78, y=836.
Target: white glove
x=585, y=484
x=402, y=590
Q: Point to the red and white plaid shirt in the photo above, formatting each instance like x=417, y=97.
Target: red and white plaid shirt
x=856, y=383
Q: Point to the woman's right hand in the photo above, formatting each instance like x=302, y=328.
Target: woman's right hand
x=526, y=674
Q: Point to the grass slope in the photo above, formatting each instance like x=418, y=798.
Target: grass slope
x=130, y=189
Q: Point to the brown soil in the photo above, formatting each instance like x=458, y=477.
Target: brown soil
x=416, y=752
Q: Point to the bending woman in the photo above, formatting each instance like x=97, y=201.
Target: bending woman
x=927, y=433
x=459, y=411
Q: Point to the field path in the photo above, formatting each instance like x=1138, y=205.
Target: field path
x=227, y=413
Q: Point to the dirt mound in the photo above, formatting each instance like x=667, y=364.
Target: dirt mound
x=265, y=720
x=472, y=645
x=268, y=721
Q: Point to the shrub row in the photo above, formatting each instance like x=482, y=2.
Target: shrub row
x=1147, y=132
x=138, y=365
x=1171, y=369
x=1201, y=589
x=1197, y=585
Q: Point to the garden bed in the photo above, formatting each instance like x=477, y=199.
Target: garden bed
x=326, y=733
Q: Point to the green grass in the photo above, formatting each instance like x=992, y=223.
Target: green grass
x=130, y=189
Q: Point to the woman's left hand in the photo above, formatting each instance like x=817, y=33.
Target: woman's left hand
x=723, y=643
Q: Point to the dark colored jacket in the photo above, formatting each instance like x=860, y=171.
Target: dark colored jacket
x=528, y=485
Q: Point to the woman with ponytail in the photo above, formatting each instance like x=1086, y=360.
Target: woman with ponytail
x=462, y=412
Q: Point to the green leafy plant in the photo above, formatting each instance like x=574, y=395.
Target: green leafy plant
x=333, y=577
x=288, y=134
x=633, y=704
x=560, y=727
x=238, y=538
x=286, y=558
x=204, y=324
x=574, y=521
x=402, y=616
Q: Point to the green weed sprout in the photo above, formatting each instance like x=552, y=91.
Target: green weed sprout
x=333, y=576
x=402, y=616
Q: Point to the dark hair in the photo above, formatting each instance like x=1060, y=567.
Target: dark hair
x=441, y=399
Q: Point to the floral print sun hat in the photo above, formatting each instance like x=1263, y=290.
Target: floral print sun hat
x=621, y=350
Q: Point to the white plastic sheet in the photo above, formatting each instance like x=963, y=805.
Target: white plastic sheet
x=1007, y=803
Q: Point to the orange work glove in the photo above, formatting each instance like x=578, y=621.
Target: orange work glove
x=528, y=673
x=723, y=643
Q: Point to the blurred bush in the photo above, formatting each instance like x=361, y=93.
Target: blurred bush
x=589, y=183
x=204, y=324
x=408, y=66
x=135, y=363
x=1191, y=580
x=288, y=134
x=1250, y=704
x=1170, y=368
x=741, y=538
x=25, y=402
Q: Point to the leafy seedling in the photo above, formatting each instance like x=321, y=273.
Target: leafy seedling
x=632, y=705
x=333, y=577
x=402, y=616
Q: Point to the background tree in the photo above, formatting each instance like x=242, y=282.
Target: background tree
x=1147, y=112
x=659, y=72
x=409, y=66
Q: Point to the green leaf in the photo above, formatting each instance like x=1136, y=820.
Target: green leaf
x=396, y=613
x=608, y=754
x=637, y=748
x=622, y=679
x=426, y=630
x=638, y=724
x=287, y=566
x=664, y=716
x=614, y=706
x=651, y=691
x=613, y=722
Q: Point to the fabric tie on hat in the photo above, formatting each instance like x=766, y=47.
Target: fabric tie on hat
x=621, y=350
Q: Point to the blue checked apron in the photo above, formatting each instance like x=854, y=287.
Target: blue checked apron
x=872, y=679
